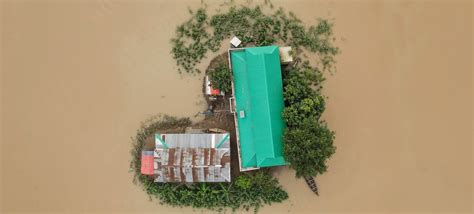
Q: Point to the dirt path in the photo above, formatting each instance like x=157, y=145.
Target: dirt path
x=79, y=76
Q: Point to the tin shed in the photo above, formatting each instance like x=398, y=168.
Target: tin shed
x=191, y=158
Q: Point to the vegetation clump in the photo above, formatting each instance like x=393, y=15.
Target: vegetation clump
x=308, y=142
x=221, y=78
x=301, y=101
x=253, y=27
x=308, y=146
x=247, y=191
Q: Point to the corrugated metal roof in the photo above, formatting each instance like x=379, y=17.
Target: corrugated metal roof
x=192, y=158
x=147, y=163
x=191, y=140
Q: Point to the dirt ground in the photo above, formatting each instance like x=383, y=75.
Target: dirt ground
x=221, y=117
x=78, y=77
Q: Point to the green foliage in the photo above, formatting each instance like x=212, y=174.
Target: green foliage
x=221, y=77
x=243, y=182
x=301, y=100
x=199, y=34
x=308, y=141
x=189, y=46
x=308, y=146
x=250, y=191
x=247, y=191
x=255, y=190
x=308, y=108
x=296, y=87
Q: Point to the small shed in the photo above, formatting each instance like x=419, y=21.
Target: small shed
x=210, y=91
x=147, y=163
x=285, y=55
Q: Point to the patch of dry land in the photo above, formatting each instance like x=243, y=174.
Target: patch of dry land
x=77, y=77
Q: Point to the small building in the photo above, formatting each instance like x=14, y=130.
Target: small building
x=147, y=163
x=189, y=158
x=209, y=90
x=258, y=93
x=285, y=55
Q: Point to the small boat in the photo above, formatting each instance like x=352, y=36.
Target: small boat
x=312, y=184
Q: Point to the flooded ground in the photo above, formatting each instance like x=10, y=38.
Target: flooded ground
x=79, y=76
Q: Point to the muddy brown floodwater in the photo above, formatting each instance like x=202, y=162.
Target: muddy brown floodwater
x=79, y=76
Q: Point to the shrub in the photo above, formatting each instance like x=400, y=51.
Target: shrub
x=255, y=190
x=221, y=78
x=243, y=182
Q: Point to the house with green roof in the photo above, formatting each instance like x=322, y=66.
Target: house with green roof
x=258, y=104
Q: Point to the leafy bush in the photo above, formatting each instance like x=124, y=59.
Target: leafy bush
x=247, y=191
x=243, y=182
x=221, y=78
x=255, y=190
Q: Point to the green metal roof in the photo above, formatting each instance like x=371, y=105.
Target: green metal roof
x=258, y=92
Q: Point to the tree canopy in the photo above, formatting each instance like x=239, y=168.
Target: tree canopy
x=308, y=140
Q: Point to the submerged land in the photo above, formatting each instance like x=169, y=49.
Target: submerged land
x=78, y=78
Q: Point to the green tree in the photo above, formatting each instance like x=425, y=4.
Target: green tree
x=301, y=101
x=296, y=87
x=308, y=146
x=308, y=109
x=308, y=142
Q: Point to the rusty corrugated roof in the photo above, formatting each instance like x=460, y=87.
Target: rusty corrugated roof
x=192, y=158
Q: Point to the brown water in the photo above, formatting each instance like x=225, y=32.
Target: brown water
x=79, y=76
